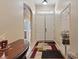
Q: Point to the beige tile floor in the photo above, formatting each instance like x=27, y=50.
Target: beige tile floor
x=30, y=49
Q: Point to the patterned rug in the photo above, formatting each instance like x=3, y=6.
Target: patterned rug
x=46, y=50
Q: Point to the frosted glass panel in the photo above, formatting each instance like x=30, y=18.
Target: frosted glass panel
x=26, y=25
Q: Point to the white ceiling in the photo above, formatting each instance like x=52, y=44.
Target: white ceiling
x=59, y=4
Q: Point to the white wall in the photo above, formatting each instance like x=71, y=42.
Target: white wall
x=74, y=27
x=58, y=38
x=62, y=23
x=11, y=19
x=73, y=30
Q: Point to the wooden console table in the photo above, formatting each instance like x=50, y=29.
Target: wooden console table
x=17, y=50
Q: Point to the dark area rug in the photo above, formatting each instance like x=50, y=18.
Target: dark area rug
x=51, y=54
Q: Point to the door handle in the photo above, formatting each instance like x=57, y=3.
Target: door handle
x=45, y=29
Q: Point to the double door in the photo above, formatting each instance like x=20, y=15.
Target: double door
x=45, y=26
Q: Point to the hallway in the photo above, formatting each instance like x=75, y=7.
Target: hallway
x=38, y=29
x=50, y=22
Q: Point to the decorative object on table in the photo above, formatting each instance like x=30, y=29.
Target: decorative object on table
x=3, y=47
x=4, y=44
x=65, y=40
x=1, y=52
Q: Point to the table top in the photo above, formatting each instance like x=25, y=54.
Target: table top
x=15, y=49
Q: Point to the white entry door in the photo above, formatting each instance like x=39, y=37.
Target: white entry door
x=44, y=26
x=50, y=27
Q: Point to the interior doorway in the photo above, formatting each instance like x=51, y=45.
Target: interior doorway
x=45, y=26
x=27, y=23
